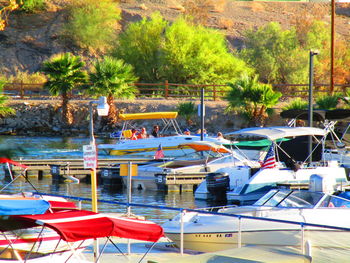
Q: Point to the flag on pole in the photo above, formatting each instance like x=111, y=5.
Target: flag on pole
x=159, y=153
x=269, y=161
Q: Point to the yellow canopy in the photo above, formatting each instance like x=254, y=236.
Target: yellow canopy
x=148, y=115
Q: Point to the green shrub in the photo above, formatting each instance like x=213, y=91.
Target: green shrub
x=297, y=104
x=188, y=110
x=31, y=6
x=328, y=102
x=93, y=24
x=26, y=77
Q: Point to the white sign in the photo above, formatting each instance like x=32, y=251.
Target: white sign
x=90, y=156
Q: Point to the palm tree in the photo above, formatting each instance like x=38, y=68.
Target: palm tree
x=113, y=78
x=188, y=110
x=64, y=73
x=252, y=99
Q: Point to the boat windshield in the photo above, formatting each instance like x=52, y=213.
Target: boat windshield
x=289, y=198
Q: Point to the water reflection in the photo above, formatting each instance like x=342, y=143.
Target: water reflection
x=69, y=148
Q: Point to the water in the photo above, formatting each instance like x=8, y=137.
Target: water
x=70, y=148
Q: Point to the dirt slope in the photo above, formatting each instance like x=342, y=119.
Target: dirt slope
x=32, y=38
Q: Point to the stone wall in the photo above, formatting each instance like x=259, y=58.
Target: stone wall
x=44, y=117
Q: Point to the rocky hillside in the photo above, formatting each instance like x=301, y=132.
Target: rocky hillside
x=32, y=38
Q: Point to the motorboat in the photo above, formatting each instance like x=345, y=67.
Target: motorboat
x=170, y=137
x=209, y=157
x=291, y=164
x=76, y=229
x=282, y=217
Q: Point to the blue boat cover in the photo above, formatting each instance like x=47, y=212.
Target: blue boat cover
x=23, y=206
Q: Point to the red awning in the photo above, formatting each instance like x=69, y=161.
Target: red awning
x=80, y=225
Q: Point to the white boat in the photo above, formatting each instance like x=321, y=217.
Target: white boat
x=276, y=220
x=209, y=158
x=248, y=184
x=170, y=137
x=75, y=229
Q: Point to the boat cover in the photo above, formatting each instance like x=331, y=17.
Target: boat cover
x=81, y=225
x=274, y=133
x=5, y=160
x=148, y=116
x=206, y=146
x=22, y=206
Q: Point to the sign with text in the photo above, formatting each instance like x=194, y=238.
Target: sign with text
x=90, y=156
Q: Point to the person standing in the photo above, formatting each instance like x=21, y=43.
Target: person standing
x=155, y=131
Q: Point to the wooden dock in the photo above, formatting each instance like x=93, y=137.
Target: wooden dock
x=67, y=167
x=182, y=182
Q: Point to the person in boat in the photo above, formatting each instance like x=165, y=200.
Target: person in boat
x=133, y=134
x=142, y=134
x=155, y=131
x=220, y=135
x=187, y=132
x=199, y=132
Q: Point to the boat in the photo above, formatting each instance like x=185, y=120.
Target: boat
x=282, y=217
x=170, y=137
x=75, y=229
x=209, y=157
x=248, y=184
x=337, y=148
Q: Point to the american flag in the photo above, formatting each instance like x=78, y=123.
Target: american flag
x=159, y=153
x=269, y=161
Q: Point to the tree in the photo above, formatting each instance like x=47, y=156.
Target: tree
x=276, y=54
x=180, y=52
x=252, y=99
x=113, y=78
x=198, y=55
x=93, y=24
x=140, y=45
x=6, y=10
x=64, y=73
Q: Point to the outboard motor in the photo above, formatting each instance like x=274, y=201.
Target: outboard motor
x=217, y=185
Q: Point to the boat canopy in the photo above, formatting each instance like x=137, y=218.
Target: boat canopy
x=205, y=146
x=148, y=116
x=274, y=133
x=81, y=225
x=22, y=206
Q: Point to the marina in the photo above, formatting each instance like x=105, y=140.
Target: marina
x=156, y=206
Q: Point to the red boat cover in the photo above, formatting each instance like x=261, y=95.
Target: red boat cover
x=80, y=225
x=5, y=160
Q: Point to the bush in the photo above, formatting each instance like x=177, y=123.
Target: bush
x=297, y=104
x=26, y=77
x=93, y=24
x=328, y=102
x=31, y=6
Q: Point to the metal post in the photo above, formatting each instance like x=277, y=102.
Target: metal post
x=302, y=239
x=93, y=170
x=239, y=243
x=129, y=187
x=182, y=232
x=202, y=114
x=310, y=117
x=93, y=179
x=332, y=46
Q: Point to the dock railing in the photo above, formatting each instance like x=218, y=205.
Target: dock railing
x=304, y=244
